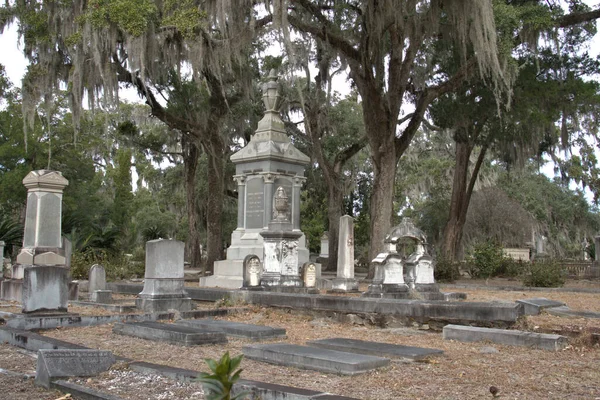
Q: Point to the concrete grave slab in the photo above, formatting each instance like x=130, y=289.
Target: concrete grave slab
x=565, y=311
x=536, y=305
x=331, y=361
x=175, y=334
x=502, y=336
x=393, y=351
x=64, y=363
x=237, y=329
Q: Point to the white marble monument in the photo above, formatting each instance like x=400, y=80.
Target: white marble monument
x=345, y=281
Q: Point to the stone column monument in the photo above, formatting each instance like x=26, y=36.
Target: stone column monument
x=268, y=162
x=345, y=282
x=40, y=276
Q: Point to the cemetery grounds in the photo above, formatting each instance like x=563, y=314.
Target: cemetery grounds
x=464, y=371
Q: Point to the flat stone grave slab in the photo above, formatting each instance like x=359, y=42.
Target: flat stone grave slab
x=332, y=361
x=176, y=334
x=502, y=336
x=54, y=364
x=565, y=311
x=393, y=351
x=536, y=305
x=238, y=329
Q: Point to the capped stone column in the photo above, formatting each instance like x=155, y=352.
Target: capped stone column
x=42, y=240
x=164, y=278
x=345, y=281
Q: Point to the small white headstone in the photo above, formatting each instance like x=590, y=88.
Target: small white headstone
x=252, y=271
x=309, y=275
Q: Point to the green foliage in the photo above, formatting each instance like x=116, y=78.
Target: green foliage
x=446, y=270
x=11, y=233
x=117, y=265
x=184, y=15
x=133, y=16
x=218, y=385
x=123, y=195
x=485, y=259
x=545, y=273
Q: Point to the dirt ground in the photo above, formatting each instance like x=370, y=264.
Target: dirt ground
x=465, y=371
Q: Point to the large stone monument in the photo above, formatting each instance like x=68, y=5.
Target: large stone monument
x=40, y=276
x=268, y=162
x=345, y=281
x=164, y=278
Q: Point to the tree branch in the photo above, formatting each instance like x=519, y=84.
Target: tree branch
x=577, y=18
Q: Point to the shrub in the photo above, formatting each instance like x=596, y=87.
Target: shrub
x=545, y=273
x=446, y=270
x=485, y=259
x=218, y=385
x=511, y=268
x=117, y=266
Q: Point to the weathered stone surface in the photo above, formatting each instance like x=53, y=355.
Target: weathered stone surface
x=502, y=336
x=536, y=305
x=252, y=271
x=97, y=278
x=101, y=296
x=45, y=288
x=345, y=269
x=331, y=361
x=393, y=351
x=81, y=392
x=64, y=363
x=176, y=334
x=11, y=289
x=73, y=290
x=236, y=328
x=565, y=311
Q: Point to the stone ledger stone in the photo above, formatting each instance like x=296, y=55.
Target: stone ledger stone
x=332, y=361
x=55, y=364
x=164, y=278
x=536, y=305
x=345, y=282
x=503, y=336
x=393, y=351
x=45, y=288
x=237, y=329
x=175, y=334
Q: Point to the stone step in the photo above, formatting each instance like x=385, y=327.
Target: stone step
x=237, y=329
x=306, y=357
x=502, y=336
x=175, y=334
x=393, y=351
x=536, y=305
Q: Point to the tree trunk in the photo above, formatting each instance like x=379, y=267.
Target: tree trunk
x=214, y=204
x=190, y=164
x=457, y=217
x=335, y=206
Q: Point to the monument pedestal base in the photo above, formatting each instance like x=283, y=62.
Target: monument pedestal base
x=101, y=296
x=45, y=288
x=153, y=305
x=344, y=285
x=11, y=290
x=228, y=274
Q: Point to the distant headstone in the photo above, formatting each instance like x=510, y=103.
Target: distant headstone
x=1, y=259
x=345, y=281
x=517, y=253
x=55, y=364
x=309, y=275
x=252, y=271
x=164, y=278
x=324, y=245
x=97, y=278
x=597, y=246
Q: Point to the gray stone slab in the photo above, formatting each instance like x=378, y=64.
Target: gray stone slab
x=237, y=329
x=503, y=336
x=332, y=361
x=176, y=334
x=565, y=311
x=536, y=305
x=393, y=351
x=80, y=392
x=53, y=364
x=45, y=288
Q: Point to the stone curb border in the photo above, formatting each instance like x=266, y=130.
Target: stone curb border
x=519, y=288
x=81, y=392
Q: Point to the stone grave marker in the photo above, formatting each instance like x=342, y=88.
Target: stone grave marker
x=306, y=357
x=536, y=305
x=45, y=288
x=237, y=329
x=309, y=275
x=252, y=271
x=97, y=285
x=55, y=364
x=504, y=336
x=164, y=278
x=175, y=334
x=393, y=351
x=345, y=282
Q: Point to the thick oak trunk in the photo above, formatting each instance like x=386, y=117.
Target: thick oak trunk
x=214, y=205
x=335, y=206
x=190, y=163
